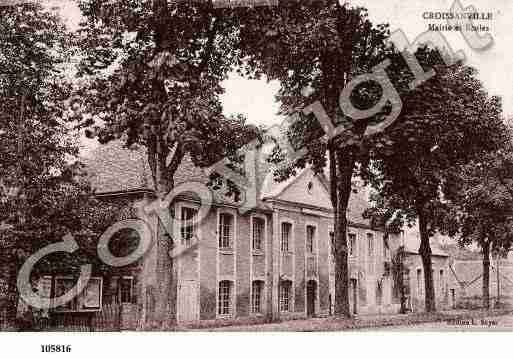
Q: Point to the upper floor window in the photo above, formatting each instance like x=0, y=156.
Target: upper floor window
x=258, y=233
x=285, y=295
x=352, y=244
x=257, y=289
x=385, y=247
x=188, y=228
x=225, y=297
x=286, y=228
x=370, y=244
x=225, y=230
x=332, y=242
x=310, y=239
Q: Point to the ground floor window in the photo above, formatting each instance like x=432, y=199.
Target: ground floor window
x=442, y=283
x=419, y=283
x=257, y=289
x=379, y=292
x=125, y=289
x=285, y=296
x=90, y=299
x=225, y=297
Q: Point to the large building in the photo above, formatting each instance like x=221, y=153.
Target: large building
x=273, y=261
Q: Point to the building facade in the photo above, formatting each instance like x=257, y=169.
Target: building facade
x=272, y=261
x=414, y=273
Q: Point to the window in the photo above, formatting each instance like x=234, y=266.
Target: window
x=419, y=282
x=225, y=230
x=434, y=280
x=332, y=244
x=442, y=283
x=352, y=244
x=285, y=294
x=258, y=233
x=125, y=289
x=385, y=247
x=285, y=236
x=370, y=243
x=379, y=292
x=188, y=227
x=225, y=297
x=257, y=289
x=90, y=299
x=310, y=237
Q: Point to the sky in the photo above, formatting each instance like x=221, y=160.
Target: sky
x=255, y=98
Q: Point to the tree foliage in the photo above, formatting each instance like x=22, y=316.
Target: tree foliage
x=314, y=49
x=43, y=192
x=152, y=72
x=483, y=207
x=445, y=122
x=151, y=76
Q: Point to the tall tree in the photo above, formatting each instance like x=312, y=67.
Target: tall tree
x=152, y=72
x=445, y=122
x=483, y=207
x=314, y=49
x=42, y=194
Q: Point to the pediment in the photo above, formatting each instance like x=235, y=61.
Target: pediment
x=307, y=189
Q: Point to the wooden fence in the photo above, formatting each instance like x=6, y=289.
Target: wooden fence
x=108, y=319
x=112, y=318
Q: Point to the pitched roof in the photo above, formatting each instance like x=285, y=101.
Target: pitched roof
x=113, y=168
x=411, y=242
x=358, y=201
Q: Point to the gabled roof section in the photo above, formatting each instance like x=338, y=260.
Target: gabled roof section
x=295, y=190
x=114, y=168
x=304, y=188
x=411, y=242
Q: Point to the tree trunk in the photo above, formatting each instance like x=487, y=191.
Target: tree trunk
x=425, y=253
x=400, y=280
x=11, y=269
x=343, y=174
x=486, y=274
x=165, y=304
x=341, y=266
x=163, y=296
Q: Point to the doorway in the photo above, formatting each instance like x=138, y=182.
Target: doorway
x=453, y=298
x=354, y=295
x=188, y=306
x=311, y=297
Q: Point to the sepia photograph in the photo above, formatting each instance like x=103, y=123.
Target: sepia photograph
x=178, y=166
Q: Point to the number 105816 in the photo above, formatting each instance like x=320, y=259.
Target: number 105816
x=53, y=348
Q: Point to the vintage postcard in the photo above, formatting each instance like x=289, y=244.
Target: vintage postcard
x=255, y=166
